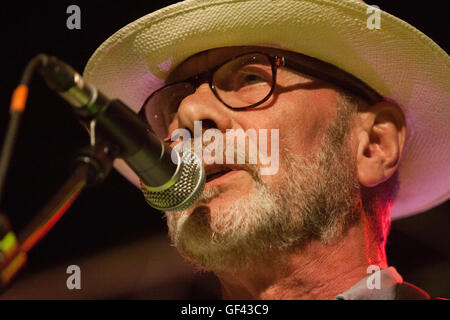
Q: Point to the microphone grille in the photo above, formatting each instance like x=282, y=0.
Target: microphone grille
x=184, y=192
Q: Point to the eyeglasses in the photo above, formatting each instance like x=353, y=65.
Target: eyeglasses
x=242, y=82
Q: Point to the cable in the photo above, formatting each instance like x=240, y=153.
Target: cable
x=17, y=107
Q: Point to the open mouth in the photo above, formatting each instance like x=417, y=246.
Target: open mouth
x=216, y=173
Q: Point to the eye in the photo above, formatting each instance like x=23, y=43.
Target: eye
x=253, y=79
x=251, y=76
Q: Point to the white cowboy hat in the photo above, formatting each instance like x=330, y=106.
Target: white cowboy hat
x=396, y=60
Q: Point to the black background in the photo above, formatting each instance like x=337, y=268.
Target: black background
x=115, y=213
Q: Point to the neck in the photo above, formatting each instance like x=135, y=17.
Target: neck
x=317, y=272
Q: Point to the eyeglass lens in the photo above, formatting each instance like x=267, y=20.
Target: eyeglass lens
x=239, y=83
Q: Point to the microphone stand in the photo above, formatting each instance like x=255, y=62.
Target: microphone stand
x=92, y=165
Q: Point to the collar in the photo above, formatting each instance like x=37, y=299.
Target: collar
x=380, y=285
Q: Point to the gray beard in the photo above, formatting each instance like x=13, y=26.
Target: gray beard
x=317, y=199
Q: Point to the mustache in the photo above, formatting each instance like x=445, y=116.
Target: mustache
x=198, y=145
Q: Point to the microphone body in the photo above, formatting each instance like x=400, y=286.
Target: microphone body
x=167, y=185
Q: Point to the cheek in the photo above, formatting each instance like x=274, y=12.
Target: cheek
x=302, y=119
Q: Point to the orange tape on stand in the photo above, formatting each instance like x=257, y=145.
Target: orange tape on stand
x=19, y=98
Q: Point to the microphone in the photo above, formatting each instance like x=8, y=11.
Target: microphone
x=167, y=185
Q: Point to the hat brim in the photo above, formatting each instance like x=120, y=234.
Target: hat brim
x=397, y=60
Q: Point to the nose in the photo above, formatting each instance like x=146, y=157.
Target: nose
x=203, y=106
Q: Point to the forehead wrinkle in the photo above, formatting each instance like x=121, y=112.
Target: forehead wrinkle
x=207, y=60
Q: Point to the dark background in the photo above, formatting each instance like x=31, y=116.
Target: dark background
x=119, y=242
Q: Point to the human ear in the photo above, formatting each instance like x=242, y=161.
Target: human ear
x=381, y=138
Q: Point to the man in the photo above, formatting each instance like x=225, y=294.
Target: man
x=355, y=106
